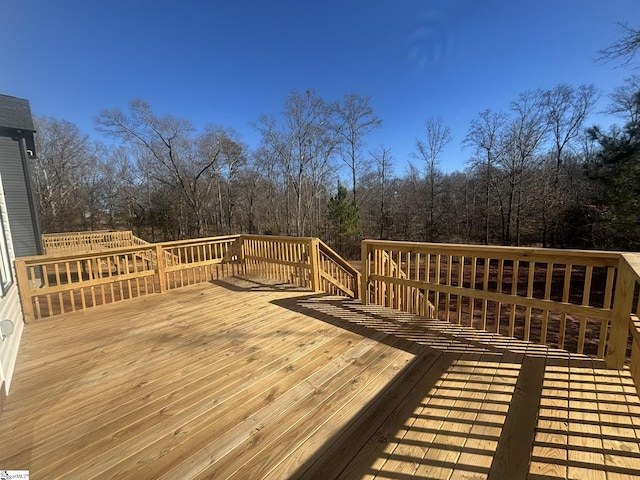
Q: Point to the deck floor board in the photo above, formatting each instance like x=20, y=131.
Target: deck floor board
x=246, y=378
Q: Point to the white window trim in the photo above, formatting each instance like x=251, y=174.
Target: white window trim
x=7, y=254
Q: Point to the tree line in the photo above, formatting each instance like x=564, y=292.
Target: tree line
x=536, y=175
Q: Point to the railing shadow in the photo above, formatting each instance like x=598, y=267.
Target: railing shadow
x=473, y=404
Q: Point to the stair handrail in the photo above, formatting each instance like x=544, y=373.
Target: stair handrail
x=352, y=291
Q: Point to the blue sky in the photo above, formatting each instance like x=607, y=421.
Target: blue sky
x=228, y=62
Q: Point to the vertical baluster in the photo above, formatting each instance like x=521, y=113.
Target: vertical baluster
x=485, y=288
x=547, y=295
x=604, y=325
x=67, y=266
x=418, y=307
x=565, y=298
x=102, y=275
x=112, y=265
x=472, y=286
x=381, y=270
x=81, y=282
x=586, y=294
x=514, y=291
x=448, y=280
x=499, y=290
x=403, y=267
x=92, y=273
x=56, y=268
x=390, y=273
x=436, y=273
x=134, y=257
x=460, y=284
x=427, y=279
x=527, y=318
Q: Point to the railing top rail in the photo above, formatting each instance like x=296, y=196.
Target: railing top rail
x=58, y=257
x=608, y=258
x=338, y=259
x=60, y=234
x=77, y=255
x=278, y=238
x=195, y=241
x=633, y=260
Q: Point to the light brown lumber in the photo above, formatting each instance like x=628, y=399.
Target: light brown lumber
x=618, y=422
x=585, y=455
x=244, y=362
x=144, y=434
x=114, y=351
x=279, y=449
x=549, y=453
x=493, y=400
x=217, y=433
x=511, y=459
x=376, y=425
x=455, y=415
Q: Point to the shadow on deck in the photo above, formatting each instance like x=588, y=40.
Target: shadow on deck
x=299, y=385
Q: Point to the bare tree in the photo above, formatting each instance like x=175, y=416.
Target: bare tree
x=566, y=110
x=355, y=119
x=224, y=153
x=169, y=143
x=484, y=137
x=304, y=144
x=438, y=136
x=625, y=101
x=384, y=162
x=62, y=172
x=625, y=48
x=117, y=181
x=521, y=140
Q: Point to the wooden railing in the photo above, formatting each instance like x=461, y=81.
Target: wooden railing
x=583, y=301
x=53, y=284
x=627, y=306
x=288, y=259
x=562, y=298
x=68, y=242
x=303, y=261
x=419, y=302
x=66, y=282
x=337, y=276
x=188, y=262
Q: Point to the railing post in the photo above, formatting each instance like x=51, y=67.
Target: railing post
x=621, y=313
x=162, y=277
x=242, y=262
x=364, y=281
x=314, y=259
x=23, y=290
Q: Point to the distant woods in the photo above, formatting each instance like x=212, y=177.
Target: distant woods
x=536, y=174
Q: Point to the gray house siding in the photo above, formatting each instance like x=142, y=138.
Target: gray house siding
x=18, y=221
x=19, y=205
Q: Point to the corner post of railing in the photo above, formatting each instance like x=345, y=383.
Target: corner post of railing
x=162, y=277
x=314, y=260
x=241, y=255
x=366, y=271
x=621, y=314
x=22, y=278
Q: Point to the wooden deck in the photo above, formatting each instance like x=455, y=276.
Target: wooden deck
x=245, y=379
